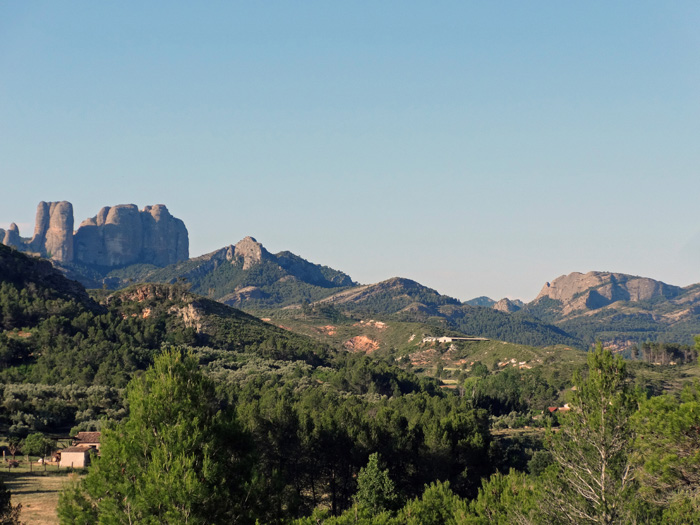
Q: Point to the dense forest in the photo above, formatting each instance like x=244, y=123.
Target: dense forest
x=210, y=415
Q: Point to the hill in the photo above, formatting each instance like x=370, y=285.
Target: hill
x=249, y=277
x=421, y=347
x=53, y=332
x=244, y=275
x=405, y=300
x=619, y=309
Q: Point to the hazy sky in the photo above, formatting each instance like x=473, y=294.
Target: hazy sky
x=480, y=148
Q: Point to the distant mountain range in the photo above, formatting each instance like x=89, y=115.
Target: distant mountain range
x=576, y=309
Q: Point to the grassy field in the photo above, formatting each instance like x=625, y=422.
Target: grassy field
x=37, y=492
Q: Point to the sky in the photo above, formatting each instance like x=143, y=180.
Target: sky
x=479, y=148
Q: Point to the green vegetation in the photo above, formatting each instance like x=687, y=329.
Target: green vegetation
x=280, y=279
x=9, y=514
x=178, y=458
x=210, y=415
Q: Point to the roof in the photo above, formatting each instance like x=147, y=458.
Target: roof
x=75, y=449
x=88, y=437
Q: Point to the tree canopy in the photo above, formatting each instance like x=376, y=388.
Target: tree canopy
x=178, y=458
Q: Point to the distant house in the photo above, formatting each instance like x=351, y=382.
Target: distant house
x=451, y=339
x=78, y=455
x=87, y=439
x=75, y=457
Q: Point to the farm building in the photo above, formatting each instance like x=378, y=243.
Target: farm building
x=75, y=457
x=87, y=439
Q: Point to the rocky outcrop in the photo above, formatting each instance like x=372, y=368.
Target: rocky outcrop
x=116, y=236
x=507, y=306
x=53, y=231
x=249, y=250
x=593, y=290
x=122, y=235
x=11, y=236
x=165, y=238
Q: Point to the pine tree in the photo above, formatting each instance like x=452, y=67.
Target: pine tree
x=668, y=452
x=178, y=458
x=592, y=449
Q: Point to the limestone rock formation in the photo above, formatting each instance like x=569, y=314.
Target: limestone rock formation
x=53, y=231
x=122, y=235
x=507, y=306
x=592, y=290
x=116, y=236
x=11, y=236
x=165, y=238
x=250, y=250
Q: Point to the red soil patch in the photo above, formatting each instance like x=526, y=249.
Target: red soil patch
x=361, y=343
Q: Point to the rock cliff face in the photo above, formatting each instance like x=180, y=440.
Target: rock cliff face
x=593, y=290
x=116, y=236
x=507, y=306
x=53, y=231
x=11, y=236
x=122, y=235
x=250, y=250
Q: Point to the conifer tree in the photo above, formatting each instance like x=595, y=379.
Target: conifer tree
x=592, y=481
x=375, y=490
x=178, y=458
x=668, y=451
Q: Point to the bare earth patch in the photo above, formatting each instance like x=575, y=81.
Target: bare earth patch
x=361, y=343
x=328, y=329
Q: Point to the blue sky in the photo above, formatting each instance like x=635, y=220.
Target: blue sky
x=480, y=148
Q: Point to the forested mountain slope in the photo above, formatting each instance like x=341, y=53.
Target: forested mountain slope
x=405, y=300
x=53, y=332
x=244, y=275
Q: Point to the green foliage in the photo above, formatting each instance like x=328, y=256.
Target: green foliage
x=668, y=447
x=58, y=407
x=60, y=336
x=593, y=481
x=479, y=369
x=37, y=444
x=667, y=353
x=9, y=514
x=178, y=458
x=682, y=509
x=541, y=459
x=375, y=490
x=513, y=390
x=280, y=279
x=437, y=506
x=505, y=499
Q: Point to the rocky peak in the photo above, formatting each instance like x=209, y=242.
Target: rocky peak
x=250, y=250
x=11, y=236
x=122, y=235
x=116, y=236
x=53, y=231
x=592, y=290
x=507, y=306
